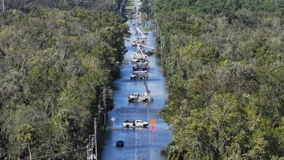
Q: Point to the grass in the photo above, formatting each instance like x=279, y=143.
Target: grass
x=128, y=7
x=130, y=3
x=143, y=18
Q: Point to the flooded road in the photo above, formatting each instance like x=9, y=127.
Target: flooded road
x=139, y=143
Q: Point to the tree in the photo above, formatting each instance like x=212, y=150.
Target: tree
x=25, y=136
x=224, y=66
x=52, y=78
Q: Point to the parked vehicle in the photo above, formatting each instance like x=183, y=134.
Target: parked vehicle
x=136, y=123
x=141, y=67
x=139, y=75
x=119, y=143
x=139, y=59
x=139, y=41
x=136, y=97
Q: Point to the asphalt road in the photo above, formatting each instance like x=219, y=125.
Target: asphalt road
x=143, y=143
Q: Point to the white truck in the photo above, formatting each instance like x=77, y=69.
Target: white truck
x=139, y=75
x=140, y=55
x=136, y=97
x=139, y=41
x=136, y=123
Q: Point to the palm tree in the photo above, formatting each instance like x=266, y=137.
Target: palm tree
x=25, y=135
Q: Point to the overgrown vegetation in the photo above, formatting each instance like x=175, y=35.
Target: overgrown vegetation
x=224, y=61
x=129, y=4
x=29, y=5
x=53, y=67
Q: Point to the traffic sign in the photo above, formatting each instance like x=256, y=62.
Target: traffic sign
x=152, y=121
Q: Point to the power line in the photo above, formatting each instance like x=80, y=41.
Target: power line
x=75, y=150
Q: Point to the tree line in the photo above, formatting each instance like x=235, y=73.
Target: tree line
x=224, y=61
x=29, y=5
x=54, y=65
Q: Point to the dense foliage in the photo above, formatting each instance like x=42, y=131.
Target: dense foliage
x=28, y=5
x=224, y=61
x=53, y=68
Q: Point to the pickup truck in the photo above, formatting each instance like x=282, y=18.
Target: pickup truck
x=136, y=97
x=139, y=75
x=136, y=123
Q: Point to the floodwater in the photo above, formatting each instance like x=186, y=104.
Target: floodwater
x=139, y=143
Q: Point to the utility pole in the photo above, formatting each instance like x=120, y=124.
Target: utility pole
x=104, y=99
x=95, y=136
x=92, y=147
x=3, y=6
